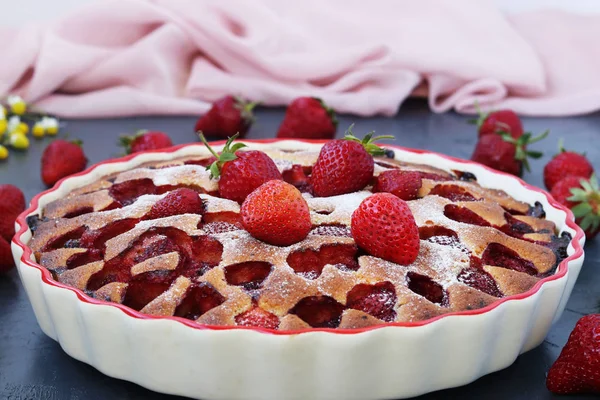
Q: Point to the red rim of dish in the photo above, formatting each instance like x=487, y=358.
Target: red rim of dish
x=47, y=278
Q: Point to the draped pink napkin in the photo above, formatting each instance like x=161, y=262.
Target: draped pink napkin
x=135, y=57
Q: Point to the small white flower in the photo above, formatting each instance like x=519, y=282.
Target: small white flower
x=2, y=112
x=13, y=123
x=14, y=99
x=49, y=122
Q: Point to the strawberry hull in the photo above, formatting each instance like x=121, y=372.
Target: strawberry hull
x=177, y=356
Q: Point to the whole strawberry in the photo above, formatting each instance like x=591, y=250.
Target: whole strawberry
x=404, y=184
x=582, y=196
x=228, y=116
x=504, y=153
x=308, y=118
x=345, y=165
x=577, y=369
x=499, y=121
x=179, y=201
x=7, y=261
x=564, y=164
x=384, y=227
x=145, y=140
x=276, y=213
x=60, y=159
x=12, y=203
x=240, y=172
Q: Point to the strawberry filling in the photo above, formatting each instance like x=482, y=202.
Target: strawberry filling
x=427, y=287
x=477, y=278
x=257, y=317
x=250, y=274
x=319, y=311
x=501, y=256
x=79, y=211
x=309, y=263
x=378, y=300
x=453, y=193
x=462, y=214
x=200, y=298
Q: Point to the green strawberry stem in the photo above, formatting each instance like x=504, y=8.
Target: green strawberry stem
x=521, y=152
x=330, y=111
x=125, y=141
x=368, y=141
x=227, y=154
x=481, y=116
x=588, y=208
x=246, y=108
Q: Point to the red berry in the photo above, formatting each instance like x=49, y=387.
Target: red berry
x=241, y=172
x=379, y=300
x=145, y=140
x=493, y=151
x=179, y=201
x=384, y=226
x=500, y=121
x=257, y=317
x=561, y=191
x=244, y=174
x=297, y=176
x=564, y=164
x=308, y=118
x=7, y=261
x=582, y=196
x=577, y=369
x=345, y=165
x=505, y=153
x=404, y=184
x=12, y=203
x=227, y=117
x=276, y=213
x=61, y=159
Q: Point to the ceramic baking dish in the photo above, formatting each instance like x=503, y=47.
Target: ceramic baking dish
x=397, y=360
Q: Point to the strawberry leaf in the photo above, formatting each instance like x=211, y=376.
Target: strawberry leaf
x=237, y=146
x=586, y=185
x=594, y=183
x=561, y=145
x=537, y=138
x=330, y=111
x=368, y=141
x=227, y=154
x=481, y=116
x=595, y=224
x=507, y=137
x=581, y=210
x=587, y=222
x=214, y=170
x=227, y=157
x=246, y=109
x=534, y=154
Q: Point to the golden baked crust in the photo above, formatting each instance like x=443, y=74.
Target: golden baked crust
x=477, y=245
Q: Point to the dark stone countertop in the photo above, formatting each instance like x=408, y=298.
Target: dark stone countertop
x=32, y=366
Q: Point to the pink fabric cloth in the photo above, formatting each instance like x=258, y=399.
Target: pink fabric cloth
x=134, y=57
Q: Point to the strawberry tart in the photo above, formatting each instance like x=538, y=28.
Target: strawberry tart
x=345, y=237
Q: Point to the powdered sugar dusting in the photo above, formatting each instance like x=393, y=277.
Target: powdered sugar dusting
x=191, y=174
x=216, y=204
x=441, y=258
x=341, y=207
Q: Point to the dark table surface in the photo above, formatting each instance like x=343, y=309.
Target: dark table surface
x=33, y=366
